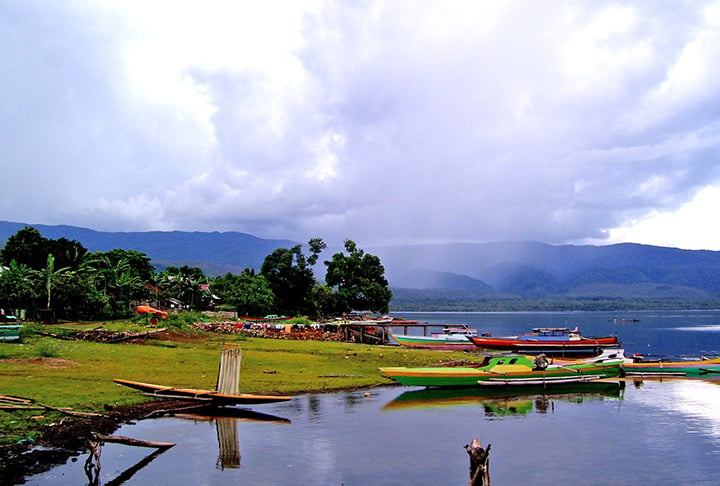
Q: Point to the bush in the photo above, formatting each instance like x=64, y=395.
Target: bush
x=47, y=349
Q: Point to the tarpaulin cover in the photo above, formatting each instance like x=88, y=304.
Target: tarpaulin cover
x=146, y=309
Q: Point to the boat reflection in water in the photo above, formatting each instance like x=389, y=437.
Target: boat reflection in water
x=505, y=401
x=226, y=419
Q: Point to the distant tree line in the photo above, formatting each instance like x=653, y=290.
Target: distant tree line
x=40, y=274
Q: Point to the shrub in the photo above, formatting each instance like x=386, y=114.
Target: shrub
x=47, y=349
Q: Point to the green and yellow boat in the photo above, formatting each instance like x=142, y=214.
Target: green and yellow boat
x=507, y=370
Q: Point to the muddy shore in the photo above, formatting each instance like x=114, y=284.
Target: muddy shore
x=70, y=438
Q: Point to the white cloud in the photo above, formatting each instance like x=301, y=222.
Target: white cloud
x=371, y=120
x=691, y=226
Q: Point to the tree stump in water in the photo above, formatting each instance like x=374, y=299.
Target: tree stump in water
x=479, y=463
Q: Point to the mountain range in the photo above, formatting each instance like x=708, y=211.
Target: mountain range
x=502, y=270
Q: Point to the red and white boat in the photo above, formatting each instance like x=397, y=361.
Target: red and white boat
x=551, y=341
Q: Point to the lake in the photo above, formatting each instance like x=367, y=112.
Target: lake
x=644, y=432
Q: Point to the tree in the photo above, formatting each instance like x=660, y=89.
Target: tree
x=50, y=277
x=17, y=289
x=113, y=275
x=67, y=253
x=317, y=245
x=138, y=263
x=290, y=277
x=360, y=281
x=30, y=248
x=26, y=247
x=248, y=293
x=184, y=284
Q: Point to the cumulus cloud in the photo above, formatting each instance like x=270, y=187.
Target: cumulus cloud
x=377, y=121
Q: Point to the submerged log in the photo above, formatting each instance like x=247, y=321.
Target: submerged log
x=479, y=463
x=120, y=439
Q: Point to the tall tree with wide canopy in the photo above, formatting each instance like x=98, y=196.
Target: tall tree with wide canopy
x=26, y=247
x=291, y=278
x=248, y=293
x=360, y=281
x=30, y=248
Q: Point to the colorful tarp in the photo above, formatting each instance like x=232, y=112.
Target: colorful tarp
x=146, y=309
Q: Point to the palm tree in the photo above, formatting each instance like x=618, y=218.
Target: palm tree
x=16, y=285
x=51, y=276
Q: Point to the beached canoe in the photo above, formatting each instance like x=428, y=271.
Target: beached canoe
x=551, y=341
x=209, y=396
x=508, y=370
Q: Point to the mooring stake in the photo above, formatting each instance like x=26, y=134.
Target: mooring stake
x=479, y=463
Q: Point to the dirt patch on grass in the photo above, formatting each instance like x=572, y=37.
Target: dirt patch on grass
x=179, y=336
x=47, y=362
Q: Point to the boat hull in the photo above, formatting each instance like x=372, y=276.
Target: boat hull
x=574, y=348
x=512, y=376
x=215, y=398
x=694, y=369
x=446, y=343
x=10, y=332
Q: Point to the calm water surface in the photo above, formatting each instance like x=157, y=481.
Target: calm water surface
x=647, y=432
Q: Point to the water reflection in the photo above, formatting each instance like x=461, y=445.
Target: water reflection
x=228, y=444
x=697, y=401
x=504, y=401
x=226, y=425
x=645, y=433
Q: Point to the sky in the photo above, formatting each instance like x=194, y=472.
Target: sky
x=384, y=122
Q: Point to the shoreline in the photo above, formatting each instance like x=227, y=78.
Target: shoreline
x=59, y=442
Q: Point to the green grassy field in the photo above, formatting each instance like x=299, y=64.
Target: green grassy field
x=78, y=374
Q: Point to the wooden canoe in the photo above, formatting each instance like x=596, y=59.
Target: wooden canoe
x=162, y=391
x=694, y=369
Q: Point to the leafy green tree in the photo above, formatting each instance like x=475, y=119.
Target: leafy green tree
x=317, y=245
x=291, y=279
x=76, y=297
x=138, y=263
x=17, y=288
x=360, y=281
x=30, y=248
x=248, y=293
x=184, y=284
x=114, y=276
x=326, y=301
x=67, y=253
x=26, y=247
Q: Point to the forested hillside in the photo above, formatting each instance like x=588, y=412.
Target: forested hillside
x=458, y=275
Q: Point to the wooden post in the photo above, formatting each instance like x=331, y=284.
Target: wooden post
x=229, y=373
x=479, y=463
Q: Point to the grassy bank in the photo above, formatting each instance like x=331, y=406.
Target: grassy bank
x=78, y=374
